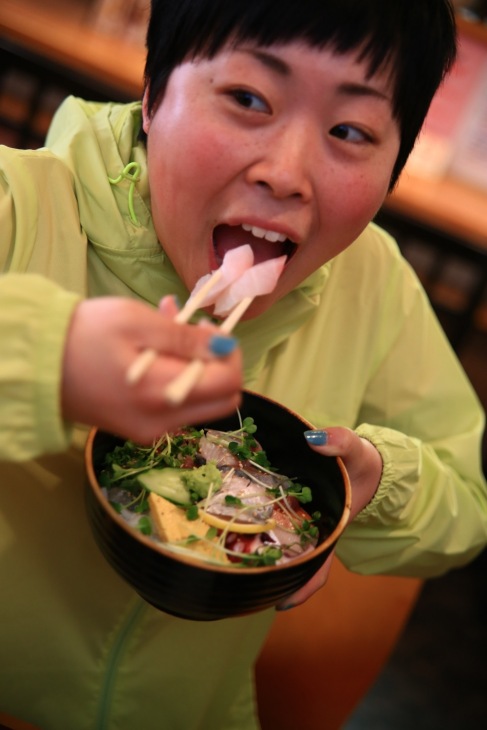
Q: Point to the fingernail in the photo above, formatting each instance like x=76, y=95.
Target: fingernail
x=285, y=607
x=317, y=438
x=222, y=345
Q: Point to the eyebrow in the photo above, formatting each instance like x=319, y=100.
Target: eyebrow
x=271, y=61
x=348, y=88
x=354, y=89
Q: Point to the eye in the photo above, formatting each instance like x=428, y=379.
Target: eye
x=249, y=100
x=349, y=133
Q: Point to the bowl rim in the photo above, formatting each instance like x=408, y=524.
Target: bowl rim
x=198, y=562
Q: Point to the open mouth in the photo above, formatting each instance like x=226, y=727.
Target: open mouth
x=265, y=244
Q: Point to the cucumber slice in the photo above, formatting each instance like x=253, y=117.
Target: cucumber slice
x=166, y=483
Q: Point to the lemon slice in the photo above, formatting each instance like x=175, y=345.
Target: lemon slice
x=250, y=528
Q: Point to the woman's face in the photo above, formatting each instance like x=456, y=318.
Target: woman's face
x=287, y=148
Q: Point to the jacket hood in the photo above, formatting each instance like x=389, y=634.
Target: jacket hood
x=100, y=144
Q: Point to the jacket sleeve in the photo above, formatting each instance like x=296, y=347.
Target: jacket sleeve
x=34, y=317
x=430, y=511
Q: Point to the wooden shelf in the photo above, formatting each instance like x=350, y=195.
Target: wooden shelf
x=449, y=205
x=66, y=38
x=456, y=209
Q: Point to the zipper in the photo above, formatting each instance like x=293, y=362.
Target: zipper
x=114, y=660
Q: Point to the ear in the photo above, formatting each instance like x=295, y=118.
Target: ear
x=145, y=111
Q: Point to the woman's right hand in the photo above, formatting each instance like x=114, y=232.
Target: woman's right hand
x=105, y=337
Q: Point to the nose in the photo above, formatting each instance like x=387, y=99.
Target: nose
x=285, y=162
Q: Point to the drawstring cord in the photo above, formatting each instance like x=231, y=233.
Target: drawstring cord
x=130, y=172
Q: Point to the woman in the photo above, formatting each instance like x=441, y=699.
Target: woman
x=281, y=127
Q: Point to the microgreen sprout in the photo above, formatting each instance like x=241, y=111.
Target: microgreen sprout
x=235, y=501
x=265, y=557
x=145, y=525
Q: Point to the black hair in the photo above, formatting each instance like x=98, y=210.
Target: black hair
x=415, y=38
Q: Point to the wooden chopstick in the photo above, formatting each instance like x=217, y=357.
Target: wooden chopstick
x=143, y=362
x=179, y=388
x=194, y=302
x=140, y=366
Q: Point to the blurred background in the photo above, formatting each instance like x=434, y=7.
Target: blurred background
x=436, y=675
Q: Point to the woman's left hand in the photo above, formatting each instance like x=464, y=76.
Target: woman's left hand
x=364, y=466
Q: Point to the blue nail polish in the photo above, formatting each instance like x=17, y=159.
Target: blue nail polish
x=222, y=345
x=317, y=438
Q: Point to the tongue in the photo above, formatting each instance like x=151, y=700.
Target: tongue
x=226, y=238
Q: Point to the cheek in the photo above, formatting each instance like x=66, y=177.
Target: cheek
x=215, y=157
x=361, y=202
x=185, y=164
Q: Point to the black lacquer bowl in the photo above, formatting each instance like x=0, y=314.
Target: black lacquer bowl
x=192, y=589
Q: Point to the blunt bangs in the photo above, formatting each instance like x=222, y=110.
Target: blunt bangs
x=414, y=39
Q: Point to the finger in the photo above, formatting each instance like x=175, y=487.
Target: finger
x=342, y=442
x=147, y=328
x=144, y=428
x=207, y=324
x=188, y=341
x=168, y=306
x=334, y=441
x=205, y=412
x=360, y=457
x=219, y=378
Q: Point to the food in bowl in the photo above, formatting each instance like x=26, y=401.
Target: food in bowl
x=213, y=493
x=183, y=584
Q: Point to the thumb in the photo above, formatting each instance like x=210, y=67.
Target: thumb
x=360, y=458
x=334, y=441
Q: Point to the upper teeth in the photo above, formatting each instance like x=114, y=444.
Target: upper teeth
x=272, y=236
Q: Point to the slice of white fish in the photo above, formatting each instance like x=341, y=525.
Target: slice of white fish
x=254, y=502
x=235, y=263
x=256, y=281
x=217, y=452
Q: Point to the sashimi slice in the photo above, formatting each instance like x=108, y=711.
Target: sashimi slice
x=259, y=279
x=235, y=263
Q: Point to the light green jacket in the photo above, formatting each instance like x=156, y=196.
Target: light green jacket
x=356, y=345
